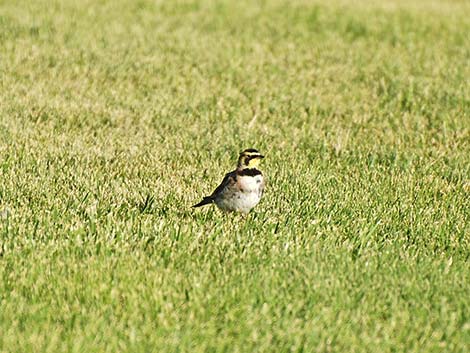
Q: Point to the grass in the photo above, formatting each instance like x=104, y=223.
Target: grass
x=116, y=116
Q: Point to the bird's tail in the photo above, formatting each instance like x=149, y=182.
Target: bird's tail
x=205, y=201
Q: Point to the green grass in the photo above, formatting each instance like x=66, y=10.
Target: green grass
x=116, y=116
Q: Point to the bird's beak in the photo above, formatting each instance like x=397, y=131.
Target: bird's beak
x=261, y=156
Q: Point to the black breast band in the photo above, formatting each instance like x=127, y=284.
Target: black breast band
x=249, y=172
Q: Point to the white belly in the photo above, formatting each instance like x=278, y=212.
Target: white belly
x=245, y=197
x=242, y=202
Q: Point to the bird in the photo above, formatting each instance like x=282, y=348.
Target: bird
x=242, y=188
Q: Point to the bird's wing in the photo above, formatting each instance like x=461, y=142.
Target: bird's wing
x=230, y=178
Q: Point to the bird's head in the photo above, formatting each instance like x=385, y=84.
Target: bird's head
x=249, y=158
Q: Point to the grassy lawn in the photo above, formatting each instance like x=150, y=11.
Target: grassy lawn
x=116, y=116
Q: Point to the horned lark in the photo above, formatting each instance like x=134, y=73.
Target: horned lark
x=241, y=189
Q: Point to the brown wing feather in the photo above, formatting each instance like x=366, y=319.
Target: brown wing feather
x=228, y=179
